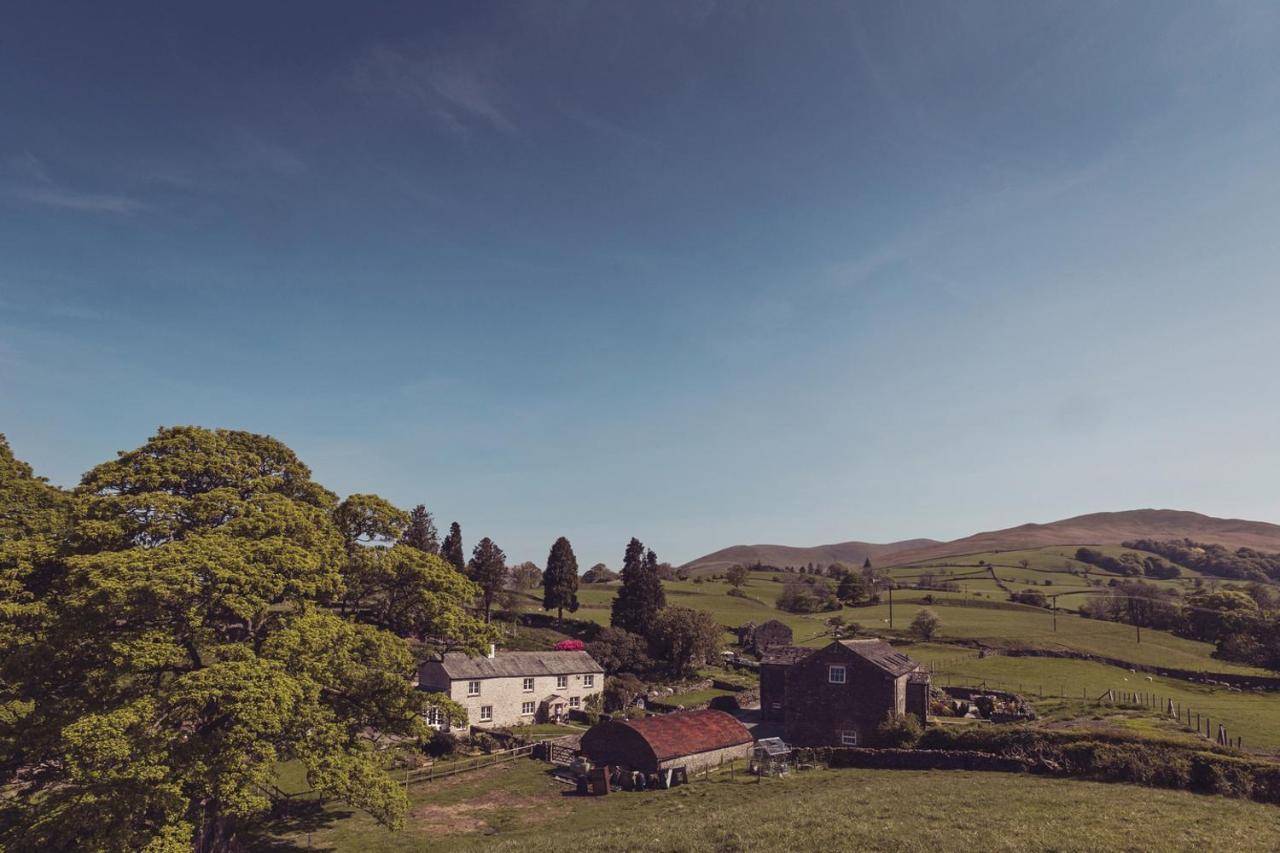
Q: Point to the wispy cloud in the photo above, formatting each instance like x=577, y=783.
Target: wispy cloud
x=32, y=183
x=460, y=92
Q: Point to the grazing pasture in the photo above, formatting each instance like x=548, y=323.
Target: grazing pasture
x=520, y=808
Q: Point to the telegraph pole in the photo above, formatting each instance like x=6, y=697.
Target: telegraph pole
x=890, y=606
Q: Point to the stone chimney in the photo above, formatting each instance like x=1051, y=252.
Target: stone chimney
x=493, y=650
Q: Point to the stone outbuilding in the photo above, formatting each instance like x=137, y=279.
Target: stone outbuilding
x=758, y=639
x=838, y=695
x=690, y=740
x=773, y=679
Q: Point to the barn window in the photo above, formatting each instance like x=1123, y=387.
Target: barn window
x=486, y=713
x=574, y=701
x=528, y=685
x=835, y=674
x=562, y=681
x=526, y=710
x=849, y=738
x=473, y=688
x=588, y=681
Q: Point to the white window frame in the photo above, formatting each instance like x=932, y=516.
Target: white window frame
x=486, y=713
x=588, y=681
x=527, y=685
x=562, y=681
x=849, y=738
x=473, y=688
x=574, y=702
x=434, y=717
x=835, y=668
x=528, y=709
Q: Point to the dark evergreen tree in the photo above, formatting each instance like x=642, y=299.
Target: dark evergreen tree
x=488, y=570
x=421, y=532
x=560, y=580
x=641, y=595
x=451, y=550
x=866, y=564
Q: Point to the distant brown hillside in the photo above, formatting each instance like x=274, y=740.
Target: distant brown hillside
x=1099, y=528
x=849, y=553
x=1110, y=528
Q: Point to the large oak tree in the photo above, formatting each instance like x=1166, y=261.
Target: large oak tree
x=188, y=643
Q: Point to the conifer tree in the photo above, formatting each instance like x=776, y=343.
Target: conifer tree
x=488, y=569
x=421, y=532
x=641, y=595
x=451, y=550
x=560, y=580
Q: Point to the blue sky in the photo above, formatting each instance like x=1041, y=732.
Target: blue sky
x=702, y=273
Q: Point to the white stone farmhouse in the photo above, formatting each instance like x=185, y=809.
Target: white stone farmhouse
x=510, y=688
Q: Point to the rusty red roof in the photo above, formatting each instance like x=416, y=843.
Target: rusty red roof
x=689, y=732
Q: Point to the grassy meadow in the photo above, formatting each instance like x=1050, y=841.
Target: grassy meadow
x=519, y=807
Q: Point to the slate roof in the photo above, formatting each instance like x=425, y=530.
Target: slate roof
x=785, y=655
x=882, y=655
x=458, y=665
x=689, y=732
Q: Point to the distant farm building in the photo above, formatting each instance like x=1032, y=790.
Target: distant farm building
x=510, y=688
x=838, y=695
x=758, y=639
x=690, y=740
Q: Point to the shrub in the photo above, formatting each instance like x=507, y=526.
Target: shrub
x=441, y=744
x=484, y=742
x=926, y=624
x=737, y=593
x=1221, y=774
x=569, y=646
x=898, y=731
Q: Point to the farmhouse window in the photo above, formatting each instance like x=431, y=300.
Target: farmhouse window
x=526, y=710
x=473, y=688
x=573, y=701
x=486, y=713
x=433, y=716
x=588, y=681
x=528, y=685
x=562, y=681
x=835, y=674
x=849, y=738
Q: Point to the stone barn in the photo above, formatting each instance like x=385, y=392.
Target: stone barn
x=770, y=634
x=758, y=639
x=839, y=694
x=686, y=739
x=773, y=679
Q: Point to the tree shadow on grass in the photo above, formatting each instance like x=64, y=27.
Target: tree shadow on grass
x=296, y=820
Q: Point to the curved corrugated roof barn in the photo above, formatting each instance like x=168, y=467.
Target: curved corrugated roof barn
x=689, y=739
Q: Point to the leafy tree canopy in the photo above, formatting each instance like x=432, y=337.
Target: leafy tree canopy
x=188, y=646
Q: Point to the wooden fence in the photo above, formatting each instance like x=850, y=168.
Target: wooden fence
x=432, y=772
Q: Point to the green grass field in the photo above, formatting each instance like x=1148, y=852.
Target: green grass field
x=1254, y=716
x=518, y=807
x=1005, y=625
